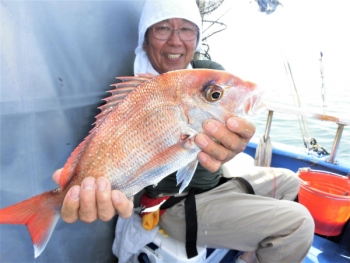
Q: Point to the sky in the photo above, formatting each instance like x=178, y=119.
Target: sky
x=255, y=45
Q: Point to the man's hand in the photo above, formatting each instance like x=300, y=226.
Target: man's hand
x=93, y=200
x=228, y=141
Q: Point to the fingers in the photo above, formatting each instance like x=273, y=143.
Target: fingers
x=88, y=206
x=122, y=204
x=92, y=200
x=80, y=202
x=221, y=143
x=208, y=162
x=70, y=206
x=105, y=208
x=71, y=203
x=242, y=127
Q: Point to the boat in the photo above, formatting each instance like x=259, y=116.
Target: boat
x=329, y=248
x=57, y=60
x=325, y=249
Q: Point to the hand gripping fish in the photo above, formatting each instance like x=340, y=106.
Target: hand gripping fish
x=144, y=132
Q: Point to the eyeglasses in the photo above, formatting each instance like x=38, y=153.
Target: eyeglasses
x=164, y=32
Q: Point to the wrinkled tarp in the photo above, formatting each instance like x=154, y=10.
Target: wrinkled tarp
x=57, y=60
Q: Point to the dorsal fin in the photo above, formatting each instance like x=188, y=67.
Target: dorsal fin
x=139, y=77
x=120, y=91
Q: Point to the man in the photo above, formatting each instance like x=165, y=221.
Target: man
x=268, y=229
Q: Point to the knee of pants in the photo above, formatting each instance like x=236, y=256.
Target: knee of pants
x=306, y=225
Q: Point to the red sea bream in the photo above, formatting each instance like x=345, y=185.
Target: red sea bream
x=144, y=132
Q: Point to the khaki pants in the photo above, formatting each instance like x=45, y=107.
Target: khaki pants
x=278, y=229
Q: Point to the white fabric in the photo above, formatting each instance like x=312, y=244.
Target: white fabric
x=239, y=260
x=131, y=237
x=155, y=11
x=237, y=166
x=263, y=154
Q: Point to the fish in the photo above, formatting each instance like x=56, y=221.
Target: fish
x=144, y=132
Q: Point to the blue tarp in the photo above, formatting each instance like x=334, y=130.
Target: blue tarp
x=57, y=60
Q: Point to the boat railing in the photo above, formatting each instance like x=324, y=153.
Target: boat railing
x=300, y=111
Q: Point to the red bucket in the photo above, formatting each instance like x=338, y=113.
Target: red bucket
x=327, y=197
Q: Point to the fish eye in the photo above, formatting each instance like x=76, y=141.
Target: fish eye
x=214, y=93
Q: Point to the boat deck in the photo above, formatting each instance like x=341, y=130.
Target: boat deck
x=322, y=251
x=326, y=251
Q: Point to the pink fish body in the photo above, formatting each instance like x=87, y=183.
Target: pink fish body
x=145, y=132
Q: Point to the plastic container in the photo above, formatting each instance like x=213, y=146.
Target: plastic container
x=327, y=197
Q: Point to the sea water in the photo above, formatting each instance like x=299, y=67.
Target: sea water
x=281, y=53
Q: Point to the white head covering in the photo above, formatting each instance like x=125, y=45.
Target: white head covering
x=155, y=11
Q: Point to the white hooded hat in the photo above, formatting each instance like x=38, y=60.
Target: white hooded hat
x=155, y=11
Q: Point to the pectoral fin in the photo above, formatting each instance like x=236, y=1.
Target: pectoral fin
x=170, y=160
x=185, y=174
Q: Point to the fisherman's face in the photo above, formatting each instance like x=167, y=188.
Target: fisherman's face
x=173, y=53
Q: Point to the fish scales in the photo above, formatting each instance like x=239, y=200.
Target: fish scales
x=131, y=143
x=145, y=131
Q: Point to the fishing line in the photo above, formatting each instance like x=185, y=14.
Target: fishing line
x=310, y=143
x=323, y=89
x=304, y=128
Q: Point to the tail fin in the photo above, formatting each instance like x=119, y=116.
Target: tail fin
x=39, y=213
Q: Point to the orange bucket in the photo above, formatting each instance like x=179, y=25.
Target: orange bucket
x=327, y=197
